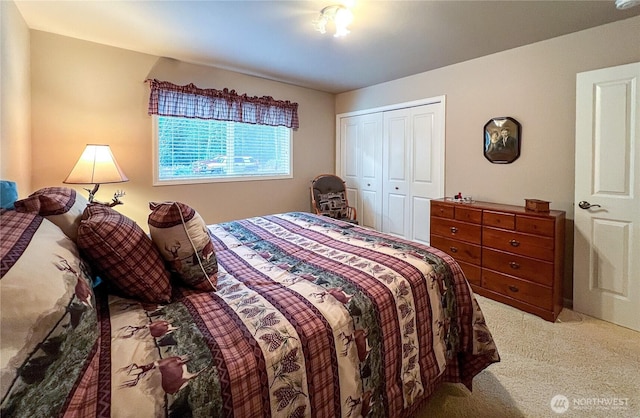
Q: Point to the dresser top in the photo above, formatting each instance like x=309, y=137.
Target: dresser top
x=500, y=207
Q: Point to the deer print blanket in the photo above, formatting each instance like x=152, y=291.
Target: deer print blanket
x=311, y=318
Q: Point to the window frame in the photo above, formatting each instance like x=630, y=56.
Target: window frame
x=211, y=178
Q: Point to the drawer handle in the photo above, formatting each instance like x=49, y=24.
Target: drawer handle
x=453, y=249
x=514, y=243
x=513, y=288
x=454, y=229
x=514, y=265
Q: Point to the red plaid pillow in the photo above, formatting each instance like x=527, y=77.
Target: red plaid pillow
x=124, y=254
x=183, y=239
x=61, y=205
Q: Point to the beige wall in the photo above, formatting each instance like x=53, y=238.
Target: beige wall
x=89, y=93
x=15, y=97
x=535, y=84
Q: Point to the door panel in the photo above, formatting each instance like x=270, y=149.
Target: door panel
x=394, y=218
x=420, y=231
x=349, y=130
x=611, y=260
x=422, y=144
x=368, y=216
x=361, y=153
x=607, y=235
x=351, y=146
x=370, y=208
x=611, y=139
x=427, y=176
x=370, y=144
x=395, y=209
x=396, y=150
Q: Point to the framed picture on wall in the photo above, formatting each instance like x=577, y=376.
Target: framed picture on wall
x=501, y=140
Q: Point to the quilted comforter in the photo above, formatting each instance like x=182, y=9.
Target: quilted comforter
x=312, y=318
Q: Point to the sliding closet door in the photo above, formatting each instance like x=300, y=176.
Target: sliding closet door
x=426, y=167
x=395, y=173
x=361, y=150
x=413, y=169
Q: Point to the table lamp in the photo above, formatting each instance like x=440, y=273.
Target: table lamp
x=95, y=166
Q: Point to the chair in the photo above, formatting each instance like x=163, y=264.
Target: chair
x=329, y=198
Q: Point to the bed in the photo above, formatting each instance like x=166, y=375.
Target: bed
x=307, y=316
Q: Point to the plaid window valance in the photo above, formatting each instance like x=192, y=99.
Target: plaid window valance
x=168, y=99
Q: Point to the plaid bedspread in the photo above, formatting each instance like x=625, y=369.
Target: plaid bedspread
x=312, y=318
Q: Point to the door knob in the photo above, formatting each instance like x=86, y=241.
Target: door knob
x=586, y=205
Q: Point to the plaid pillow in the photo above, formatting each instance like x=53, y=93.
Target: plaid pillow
x=124, y=254
x=61, y=205
x=183, y=239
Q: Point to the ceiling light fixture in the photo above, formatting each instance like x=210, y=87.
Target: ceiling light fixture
x=339, y=14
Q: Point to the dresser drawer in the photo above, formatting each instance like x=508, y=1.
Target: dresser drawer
x=521, y=290
x=533, y=225
x=455, y=229
x=461, y=251
x=499, y=219
x=441, y=210
x=534, y=246
x=468, y=214
x=523, y=267
x=471, y=272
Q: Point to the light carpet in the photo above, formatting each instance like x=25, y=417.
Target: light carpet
x=578, y=366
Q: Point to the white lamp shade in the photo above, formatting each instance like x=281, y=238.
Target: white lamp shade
x=96, y=165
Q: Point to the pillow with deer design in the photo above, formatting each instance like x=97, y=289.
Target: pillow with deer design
x=48, y=315
x=182, y=237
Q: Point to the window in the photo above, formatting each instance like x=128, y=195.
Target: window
x=204, y=135
x=189, y=150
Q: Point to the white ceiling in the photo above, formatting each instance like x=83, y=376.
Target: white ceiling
x=276, y=39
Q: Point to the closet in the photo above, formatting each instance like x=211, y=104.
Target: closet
x=392, y=160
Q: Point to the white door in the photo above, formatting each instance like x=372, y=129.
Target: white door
x=395, y=174
x=413, y=169
x=361, y=150
x=427, y=167
x=607, y=195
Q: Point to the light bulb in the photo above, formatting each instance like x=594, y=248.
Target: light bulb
x=343, y=19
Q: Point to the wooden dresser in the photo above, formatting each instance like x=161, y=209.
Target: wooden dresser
x=507, y=253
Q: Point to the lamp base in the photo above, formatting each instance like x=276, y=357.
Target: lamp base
x=114, y=201
x=92, y=192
